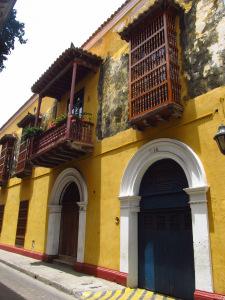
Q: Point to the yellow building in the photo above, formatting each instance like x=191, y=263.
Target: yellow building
x=112, y=165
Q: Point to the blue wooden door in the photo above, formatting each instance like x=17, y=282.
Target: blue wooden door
x=166, y=261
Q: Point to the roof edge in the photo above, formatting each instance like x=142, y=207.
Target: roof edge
x=109, y=23
x=21, y=109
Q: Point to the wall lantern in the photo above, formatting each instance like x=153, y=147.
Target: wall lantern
x=220, y=138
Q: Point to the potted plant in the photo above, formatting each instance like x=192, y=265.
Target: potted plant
x=29, y=132
x=58, y=121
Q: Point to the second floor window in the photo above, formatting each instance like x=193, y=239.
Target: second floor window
x=78, y=103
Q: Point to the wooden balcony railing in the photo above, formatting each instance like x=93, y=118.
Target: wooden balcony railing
x=7, y=142
x=154, y=92
x=24, y=167
x=62, y=143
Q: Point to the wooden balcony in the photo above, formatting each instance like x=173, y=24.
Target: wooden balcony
x=7, y=142
x=154, y=88
x=62, y=143
x=24, y=167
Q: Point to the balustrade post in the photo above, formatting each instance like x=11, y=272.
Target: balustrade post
x=72, y=92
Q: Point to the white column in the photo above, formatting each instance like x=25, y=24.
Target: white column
x=54, y=218
x=201, y=238
x=81, y=231
x=129, y=208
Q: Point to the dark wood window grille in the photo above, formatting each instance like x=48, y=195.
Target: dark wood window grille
x=7, y=142
x=154, y=70
x=1, y=216
x=23, y=167
x=22, y=223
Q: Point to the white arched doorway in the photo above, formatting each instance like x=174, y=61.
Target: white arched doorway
x=65, y=178
x=129, y=207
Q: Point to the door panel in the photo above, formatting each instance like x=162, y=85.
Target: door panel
x=69, y=222
x=166, y=262
x=69, y=230
x=166, y=259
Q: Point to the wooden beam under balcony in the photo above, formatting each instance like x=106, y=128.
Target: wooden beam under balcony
x=160, y=114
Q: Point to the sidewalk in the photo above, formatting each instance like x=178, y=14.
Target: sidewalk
x=62, y=277
x=81, y=286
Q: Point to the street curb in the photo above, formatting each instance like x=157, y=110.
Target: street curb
x=40, y=278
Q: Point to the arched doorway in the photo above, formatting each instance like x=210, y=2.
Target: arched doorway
x=165, y=246
x=196, y=191
x=69, y=222
x=68, y=190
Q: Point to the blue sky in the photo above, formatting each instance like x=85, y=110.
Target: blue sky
x=51, y=26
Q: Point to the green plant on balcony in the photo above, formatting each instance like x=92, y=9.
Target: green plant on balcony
x=86, y=116
x=59, y=120
x=29, y=132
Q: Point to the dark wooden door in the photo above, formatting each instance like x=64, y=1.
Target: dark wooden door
x=69, y=222
x=166, y=260
x=22, y=223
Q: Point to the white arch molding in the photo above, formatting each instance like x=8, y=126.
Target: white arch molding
x=54, y=209
x=129, y=207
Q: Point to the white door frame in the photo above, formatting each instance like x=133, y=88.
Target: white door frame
x=65, y=178
x=129, y=207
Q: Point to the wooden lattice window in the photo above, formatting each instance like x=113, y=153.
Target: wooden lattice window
x=153, y=63
x=7, y=142
x=154, y=67
x=22, y=165
x=1, y=216
x=22, y=223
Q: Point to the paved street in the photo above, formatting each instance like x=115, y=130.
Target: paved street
x=15, y=285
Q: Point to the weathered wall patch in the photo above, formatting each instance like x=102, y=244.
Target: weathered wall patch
x=113, y=97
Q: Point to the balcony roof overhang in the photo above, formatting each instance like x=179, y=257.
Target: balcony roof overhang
x=6, y=138
x=28, y=119
x=56, y=80
x=158, y=5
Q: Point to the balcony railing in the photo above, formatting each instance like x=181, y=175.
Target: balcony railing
x=62, y=143
x=7, y=142
x=154, y=93
x=24, y=167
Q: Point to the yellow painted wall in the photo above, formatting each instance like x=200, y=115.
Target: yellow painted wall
x=103, y=171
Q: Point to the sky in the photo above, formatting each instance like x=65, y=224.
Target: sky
x=50, y=26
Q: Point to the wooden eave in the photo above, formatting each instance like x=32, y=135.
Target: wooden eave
x=57, y=78
x=158, y=5
x=28, y=119
x=6, y=138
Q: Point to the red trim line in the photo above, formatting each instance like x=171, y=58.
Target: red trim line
x=201, y=295
x=108, y=274
x=22, y=251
